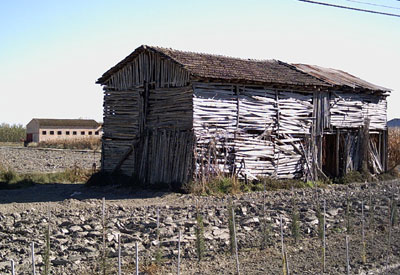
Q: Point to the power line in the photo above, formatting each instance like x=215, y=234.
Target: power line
x=372, y=4
x=350, y=8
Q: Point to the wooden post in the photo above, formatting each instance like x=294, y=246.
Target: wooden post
x=103, y=221
x=337, y=155
x=12, y=267
x=119, y=254
x=238, y=109
x=179, y=251
x=284, y=260
x=364, y=254
x=158, y=219
x=385, y=151
x=324, y=241
x=137, y=258
x=103, y=208
x=287, y=264
x=347, y=256
x=389, y=236
x=277, y=132
x=33, y=258
x=235, y=241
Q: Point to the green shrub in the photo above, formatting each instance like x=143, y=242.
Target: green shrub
x=9, y=176
x=12, y=133
x=352, y=176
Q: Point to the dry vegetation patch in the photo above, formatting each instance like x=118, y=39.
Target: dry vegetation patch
x=91, y=143
x=394, y=147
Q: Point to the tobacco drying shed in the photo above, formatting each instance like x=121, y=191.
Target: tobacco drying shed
x=172, y=116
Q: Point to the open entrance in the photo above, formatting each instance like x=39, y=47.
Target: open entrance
x=331, y=155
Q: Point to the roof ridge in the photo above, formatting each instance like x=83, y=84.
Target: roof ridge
x=210, y=54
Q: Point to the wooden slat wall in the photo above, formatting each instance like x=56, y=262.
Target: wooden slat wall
x=170, y=108
x=348, y=110
x=163, y=134
x=214, y=125
x=241, y=124
x=165, y=157
x=121, y=114
x=151, y=68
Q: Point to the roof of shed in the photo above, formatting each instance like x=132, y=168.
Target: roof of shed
x=50, y=122
x=227, y=68
x=338, y=77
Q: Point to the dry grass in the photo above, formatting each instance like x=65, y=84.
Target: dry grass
x=92, y=143
x=9, y=179
x=394, y=147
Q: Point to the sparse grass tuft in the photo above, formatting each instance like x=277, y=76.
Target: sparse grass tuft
x=232, y=185
x=272, y=184
x=350, y=177
x=295, y=225
x=199, y=230
x=9, y=179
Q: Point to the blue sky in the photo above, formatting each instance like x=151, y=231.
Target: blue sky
x=52, y=52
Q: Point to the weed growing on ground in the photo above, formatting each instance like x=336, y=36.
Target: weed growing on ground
x=199, y=231
x=265, y=227
x=320, y=217
x=295, y=225
x=393, y=213
x=221, y=184
x=371, y=214
x=349, y=214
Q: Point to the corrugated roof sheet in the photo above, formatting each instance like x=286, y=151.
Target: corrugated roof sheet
x=49, y=122
x=227, y=68
x=338, y=77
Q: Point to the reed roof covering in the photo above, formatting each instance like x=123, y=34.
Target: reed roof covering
x=220, y=67
x=339, y=78
x=210, y=66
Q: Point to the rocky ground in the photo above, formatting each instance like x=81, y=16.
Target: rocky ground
x=74, y=214
x=46, y=160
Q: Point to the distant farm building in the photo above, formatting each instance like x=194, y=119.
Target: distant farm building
x=172, y=116
x=39, y=129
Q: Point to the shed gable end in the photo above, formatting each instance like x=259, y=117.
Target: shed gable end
x=148, y=67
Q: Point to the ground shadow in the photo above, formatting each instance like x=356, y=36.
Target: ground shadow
x=59, y=192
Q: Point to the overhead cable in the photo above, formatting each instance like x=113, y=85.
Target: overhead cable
x=350, y=8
